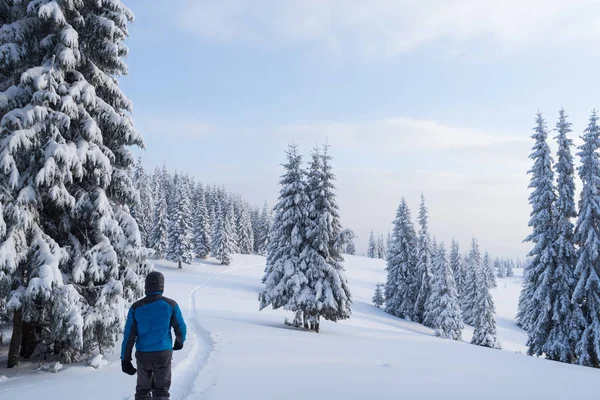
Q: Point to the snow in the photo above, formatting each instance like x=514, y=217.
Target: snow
x=235, y=351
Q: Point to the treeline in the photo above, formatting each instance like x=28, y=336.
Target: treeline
x=304, y=272
x=440, y=289
x=378, y=248
x=181, y=219
x=559, y=306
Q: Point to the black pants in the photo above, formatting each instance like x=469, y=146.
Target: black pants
x=153, y=376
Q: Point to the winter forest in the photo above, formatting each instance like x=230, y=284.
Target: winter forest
x=86, y=215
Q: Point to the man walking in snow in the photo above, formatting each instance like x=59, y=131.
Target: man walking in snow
x=148, y=326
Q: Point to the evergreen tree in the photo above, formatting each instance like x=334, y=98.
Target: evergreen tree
x=327, y=293
x=180, y=228
x=500, y=267
x=586, y=295
x=458, y=266
x=380, y=247
x=473, y=281
x=388, y=242
x=378, y=296
x=542, y=198
x=485, y=322
x=400, y=294
x=224, y=238
x=143, y=210
x=202, y=229
x=487, y=270
x=558, y=326
x=265, y=229
x=372, y=249
x=350, y=247
x=284, y=278
x=245, y=235
x=509, y=269
x=72, y=252
x=160, y=232
x=445, y=309
x=424, y=269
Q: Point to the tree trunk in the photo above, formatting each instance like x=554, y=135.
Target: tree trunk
x=305, y=322
x=317, y=323
x=28, y=341
x=180, y=267
x=15, y=340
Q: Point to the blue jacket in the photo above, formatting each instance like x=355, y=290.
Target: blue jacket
x=149, y=324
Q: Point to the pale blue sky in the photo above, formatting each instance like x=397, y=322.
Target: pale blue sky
x=436, y=96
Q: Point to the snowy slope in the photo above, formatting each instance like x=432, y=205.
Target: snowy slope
x=235, y=351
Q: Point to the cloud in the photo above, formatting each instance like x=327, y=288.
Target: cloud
x=391, y=27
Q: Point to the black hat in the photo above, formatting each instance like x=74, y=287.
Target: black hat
x=155, y=282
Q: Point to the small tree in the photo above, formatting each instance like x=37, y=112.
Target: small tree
x=378, y=296
x=445, y=311
x=485, y=323
x=372, y=249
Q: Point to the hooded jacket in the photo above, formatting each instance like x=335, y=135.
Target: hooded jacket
x=150, y=320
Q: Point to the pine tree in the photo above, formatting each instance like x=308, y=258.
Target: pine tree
x=223, y=245
x=445, y=309
x=400, y=294
x=327, y=293
x=458, y=266
x=143, y=210
x=159, y=237
x=378, y=296
x=68, y=244
x=266, y=222
x=509, y=265
x=586, y=295
x=483, y=314
x=202, y=229
x=350, y=247
x=500, y=267
x=245, y=235
x=473, y=280
x=487, y=270
x=180, y=228
x=283, y=277
x=542, y=198
x=424, y=269
x=380, y=247
x=372, y=249
x=556, y=336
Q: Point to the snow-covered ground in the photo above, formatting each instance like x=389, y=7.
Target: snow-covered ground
x=234, y=351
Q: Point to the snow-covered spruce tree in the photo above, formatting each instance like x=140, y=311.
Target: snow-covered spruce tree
x=388, y=242
x=487, y=270
x=445, y=308
x=472, y=284
x=225, y=237
x=400, y=295
x=351, y=247
x=283, y=277
x=485, y=322
x=65, y=134
x=378, y=299
x=181, y=234
x=459, y=268
x=381, y=250
x=500, y=268
x=558, y=325
x=266, y=222
x=245, y=235
x=424, y=268
x=542, y=222
x=143, y=212
x=326, y=293
x=159, y=236
x=510, y=269
x=586, y=295
x=372, y=247
x=202, y=229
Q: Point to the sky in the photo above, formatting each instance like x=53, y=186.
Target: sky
x=432, y=96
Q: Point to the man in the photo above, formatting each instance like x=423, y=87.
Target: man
x=148, y=326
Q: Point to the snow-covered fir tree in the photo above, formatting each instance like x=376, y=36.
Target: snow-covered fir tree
x=586, y=295
x=424, y=268
x=472, y=284
x=510, y=269
x=68, y=242
x=224, y=239
x=326, y=293
x=265, y=223
x=283, y=277
x=378, y=299
x=542, y=222
x=350, y=247
x=245, y=234
x=485, y=333
x=487, y=271
x=181, y=234
x=459, y=268
x=143, y=211
x=159, y=236
x=372, y=247
x=202, y=229
x=445, y=308
x=500, y=268
x=558, y=323
x=381, y=250
x=400, y=294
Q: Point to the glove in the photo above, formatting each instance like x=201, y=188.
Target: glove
x=128, y=367
x=178, y=345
